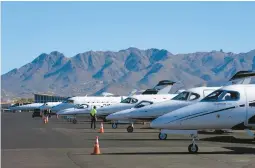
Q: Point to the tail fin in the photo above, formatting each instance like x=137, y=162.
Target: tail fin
x=242, y=77
x=163, y=87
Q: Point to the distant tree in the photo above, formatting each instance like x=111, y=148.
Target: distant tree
x=221, y=50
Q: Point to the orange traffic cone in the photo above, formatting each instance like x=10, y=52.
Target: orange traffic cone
x=101, y=128
x=96, y=148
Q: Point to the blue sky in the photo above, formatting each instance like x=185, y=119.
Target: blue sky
x=31, y=28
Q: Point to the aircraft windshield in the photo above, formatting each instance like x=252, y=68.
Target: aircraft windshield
x=129, y=100
x=222, y=95
x=182, y=96
x=143, y=103
x=82, y=106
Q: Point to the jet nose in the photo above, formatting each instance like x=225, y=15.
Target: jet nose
x=157, y=123
x=112, y=117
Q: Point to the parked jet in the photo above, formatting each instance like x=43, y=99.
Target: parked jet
x=157, y=94
x=146, y=111
x=31, y=106
x=230, y=107
x=90, y=100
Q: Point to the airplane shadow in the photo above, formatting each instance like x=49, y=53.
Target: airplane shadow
x=228, y=139
x=112, y=139
x=233, y=151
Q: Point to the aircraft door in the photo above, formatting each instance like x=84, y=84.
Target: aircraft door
x=250, y=116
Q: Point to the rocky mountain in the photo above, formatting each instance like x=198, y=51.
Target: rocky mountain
x=120, y=72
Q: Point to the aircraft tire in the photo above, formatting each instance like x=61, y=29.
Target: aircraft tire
x=130, y=129
x=114, y=125
x=162, y=136
x=193, y=149
x=74, y=121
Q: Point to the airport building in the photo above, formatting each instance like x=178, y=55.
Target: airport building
x=43, y=98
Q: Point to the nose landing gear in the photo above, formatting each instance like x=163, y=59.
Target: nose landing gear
x=130, y=128
x=162, y=136
x=114, y=125
x=193, y=148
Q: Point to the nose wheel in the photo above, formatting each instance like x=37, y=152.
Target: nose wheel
x=74, y=121
x=162, y=136
x=130, y=128
x=193, y=148
x=114, y=125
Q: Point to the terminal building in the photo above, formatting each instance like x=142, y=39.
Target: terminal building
x=44, y=98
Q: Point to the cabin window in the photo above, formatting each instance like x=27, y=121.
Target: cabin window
x=252, y=104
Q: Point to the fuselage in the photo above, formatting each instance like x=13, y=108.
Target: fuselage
x=90, y=100
x=231, y=107
x=150, y=112
x=31, y=106
x=131, y=102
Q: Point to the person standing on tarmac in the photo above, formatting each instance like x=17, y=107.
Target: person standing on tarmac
x=93, y=113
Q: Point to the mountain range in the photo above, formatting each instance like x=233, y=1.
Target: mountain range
x=94, y=72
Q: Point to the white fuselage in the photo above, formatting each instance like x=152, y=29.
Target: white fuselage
x=31, y=106
x=49, y=105
x=234, y=108
x=134, y=100
x=153, y=111
x=91, y=101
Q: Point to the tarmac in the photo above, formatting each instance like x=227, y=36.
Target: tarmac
x=29, y=143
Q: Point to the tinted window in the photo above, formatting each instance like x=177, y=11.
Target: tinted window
x=70, y=101
x=193, y=96
x=127, y=100
x=182, y=96
x=134, y=101
x=143, y=103
x=214, y=96
x=221, y=95
x=230, y=96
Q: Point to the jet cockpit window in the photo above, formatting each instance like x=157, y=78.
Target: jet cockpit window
x=134, y=101
x=230, y=96
x=143, y=103
x=182, y=96
x=214, y=96
x=70, y=101
x=82, y=106
x=193, y=96
x=221, y=95
x=127, y=100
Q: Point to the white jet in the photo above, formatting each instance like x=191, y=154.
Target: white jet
x=230, y=107
x=157, y=94
x=90, y=100
x=31, y=106
x=49, y=105
x=146, y=111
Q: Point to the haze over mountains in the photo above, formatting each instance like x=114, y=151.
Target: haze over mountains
x=120, y=72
